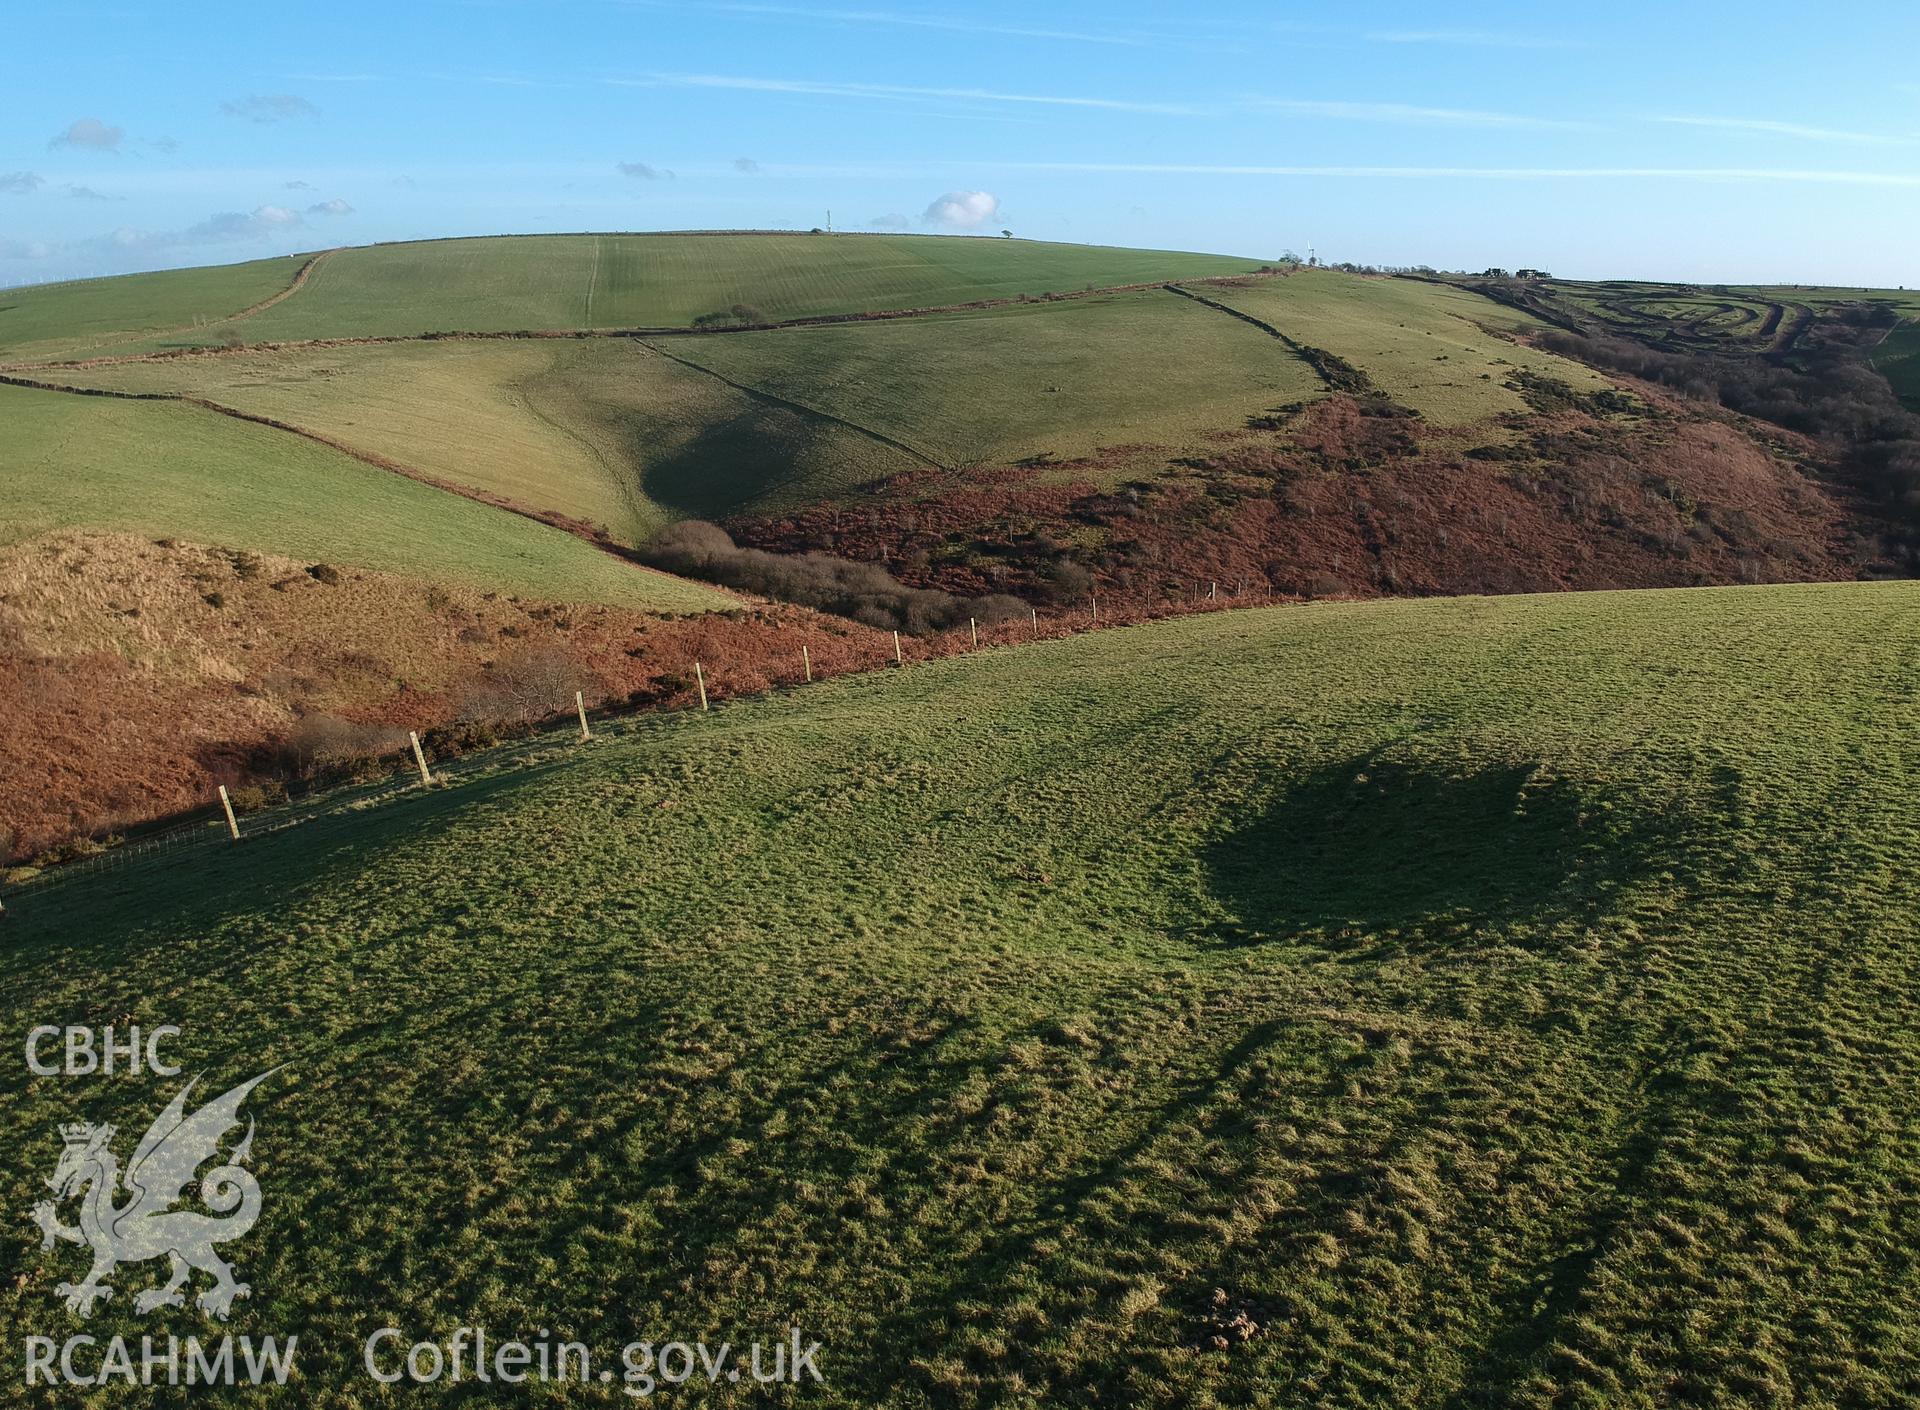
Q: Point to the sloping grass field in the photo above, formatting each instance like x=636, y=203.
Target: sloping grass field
x=1061, y=379
x=1898, y=360
x=632, y=435
x=511, y=283
x=606, y=430
x=1425, y=345
x=1485, y=1001
x=70, y=319
x=168, y=469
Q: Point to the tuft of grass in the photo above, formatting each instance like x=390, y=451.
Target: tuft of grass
x=1379, y=1004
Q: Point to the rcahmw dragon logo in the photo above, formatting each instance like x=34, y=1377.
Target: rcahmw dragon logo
x=146, y=1225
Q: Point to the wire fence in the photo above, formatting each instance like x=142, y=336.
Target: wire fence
x=198, y=836
x=204, y=834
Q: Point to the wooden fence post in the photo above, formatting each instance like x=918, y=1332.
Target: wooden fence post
x=1093, y=605
x=1213, y=591
x=700, y=679
x=233, y=824
x=420, y=758
x=580, y=704
x=1035, y=612
x=806, y=659
x=897, y=659
x=974, y=627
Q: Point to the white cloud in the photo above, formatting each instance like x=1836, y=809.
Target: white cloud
x=20, y=183
x=330, y=208
x=746, y=166
x=87, y=193
x=895, y=221
x=1473, y=38
x=299, y=186
x=1409, y=113
x=640, y=171
x=1786, y=129
x=90, y=133
x=269, y=107
x=897, y=91
x=228, y=227
x=964, y=210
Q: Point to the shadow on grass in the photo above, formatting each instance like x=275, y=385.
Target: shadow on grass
x=1374, y=846
x=100, y=917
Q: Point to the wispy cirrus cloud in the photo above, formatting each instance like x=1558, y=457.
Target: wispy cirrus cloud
x=951, y=23
x=1769, y=128
x=892, y=91
x=1474, y=38
x=20, y=183
x=1412, y=114
x=1494, y=173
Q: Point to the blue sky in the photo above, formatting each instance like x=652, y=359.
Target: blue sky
x=1717, y=141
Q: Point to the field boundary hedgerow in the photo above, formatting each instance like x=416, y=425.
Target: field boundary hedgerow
x=587, y=532
x=787, y=403
x=819, y=320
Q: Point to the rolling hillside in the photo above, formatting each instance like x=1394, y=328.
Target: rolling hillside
x=178, y=471
x=505, y=284
x=1475, y=1001
x=458, y=417
x=102, y=315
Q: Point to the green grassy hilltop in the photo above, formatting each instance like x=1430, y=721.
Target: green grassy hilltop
x=631, y=434
x=1490, y=1001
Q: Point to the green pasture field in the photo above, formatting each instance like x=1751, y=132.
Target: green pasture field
x=1898, y=360
x=1491, y=1001
x=181, y=471
x=626, y=434
x=64, y=320
x=1817, y=295
x=513, y=283
x=1065, y=379
x=605, y=430
x=1424, y=344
